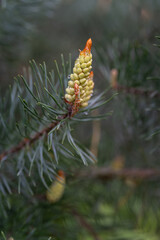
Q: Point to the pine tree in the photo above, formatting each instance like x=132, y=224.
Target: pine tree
x=51, y=185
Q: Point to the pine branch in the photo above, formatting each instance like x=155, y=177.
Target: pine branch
x=104, y=173
x=130, y=90
x=37, y=100
x=137, y=91
x=29, y=141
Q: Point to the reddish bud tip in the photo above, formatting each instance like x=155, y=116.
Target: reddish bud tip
x=61, y=174
x=87, y=48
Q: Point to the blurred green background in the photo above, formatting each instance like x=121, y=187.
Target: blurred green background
x=44, y=29
x=123, y=33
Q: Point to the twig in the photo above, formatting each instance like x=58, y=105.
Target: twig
x=137, y=91
x=131, y=90
x=29, y=141
x=85, y=224
x=104, y=173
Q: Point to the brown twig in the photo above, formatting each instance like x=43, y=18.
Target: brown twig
x=105, y=173
x=85, y=224
x=137, y=91
x=29, y=141
x=131, y=90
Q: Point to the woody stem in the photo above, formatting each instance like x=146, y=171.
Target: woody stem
x=136, y=91
x=29, y=141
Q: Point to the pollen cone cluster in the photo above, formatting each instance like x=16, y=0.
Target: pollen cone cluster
x=82, y=76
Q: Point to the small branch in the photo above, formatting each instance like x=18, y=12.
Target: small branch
x=131, y=90
x=29, y=141
x=85, y=224
x=137, y=91
x=104, y=173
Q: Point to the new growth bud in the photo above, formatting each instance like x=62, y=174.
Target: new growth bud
x=82, y=77
x=57, y=188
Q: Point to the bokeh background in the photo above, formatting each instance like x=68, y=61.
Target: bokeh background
x=44, y=30
x=123, y=34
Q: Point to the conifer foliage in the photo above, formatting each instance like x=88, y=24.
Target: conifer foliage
x=36, y=128
x=52, y=187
